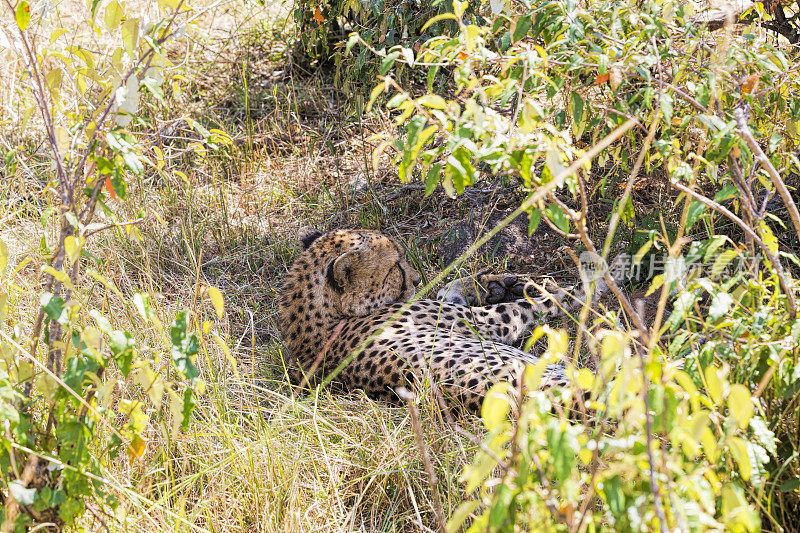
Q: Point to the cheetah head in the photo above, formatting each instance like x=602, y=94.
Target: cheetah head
x=370, y=276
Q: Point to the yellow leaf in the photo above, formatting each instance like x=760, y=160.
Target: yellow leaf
x=769, y=238
x=376, y=91
x=46, y=385
x=686, y=383
x=113, y=15
x=3, y=257
x=62, y=139
x=709, y=442
x=130, y=34
x=739, y=451
x=102, y=279
x=72, y=246
x=23, y=14
x=437, y=18
x=56, y=33
x=3, y=307
x=740, y=405
x=80, y=83
x=612, y=345
x=59, y=275
x=496, y=405
x=585, y=378
x=713, y=384
x=471, y=33
x=137, y=447
x=217, y=300
x=433, y=101
x=182, y=176
x=169, y=4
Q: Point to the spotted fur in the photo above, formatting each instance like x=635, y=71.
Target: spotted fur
x=348, y=283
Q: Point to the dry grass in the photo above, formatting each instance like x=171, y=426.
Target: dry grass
x=255, y=459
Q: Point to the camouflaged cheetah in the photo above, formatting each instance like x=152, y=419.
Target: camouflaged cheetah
x=347, y=283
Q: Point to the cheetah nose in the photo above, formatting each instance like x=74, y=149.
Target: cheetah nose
x=416, y=279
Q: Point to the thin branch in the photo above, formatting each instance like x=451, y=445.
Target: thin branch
x=785, y=286
x=88, y=232
x=761, y=157
x=649, y=428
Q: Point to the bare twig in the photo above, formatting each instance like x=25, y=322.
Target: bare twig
x=91, y=231
x=772, y=172
x=785, y=286
x=650, y=458
x=12, y=505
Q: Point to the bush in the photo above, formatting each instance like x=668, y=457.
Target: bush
x=691, y=418
x=62, y=426
x=324, y=28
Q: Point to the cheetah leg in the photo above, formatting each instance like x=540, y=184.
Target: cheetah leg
x=505, y=323
x=509, y=310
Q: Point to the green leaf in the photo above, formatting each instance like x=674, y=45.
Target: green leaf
x=522, y=27
x=578, y=120
x=388, y=62
x=562, y=443
x=534, y=218
x=721, y=145
x=666, y=107
x=726, y=193
x=121, y=344
x=23, y=14
x=614, y=496
x=434, y=175
x=351, y=42
x=184, y=346
x=790, y=485
x=460, y=170
x=54, y=307
x=696, y=209
x=189, y=404
x=558, y=217
x=763, y=435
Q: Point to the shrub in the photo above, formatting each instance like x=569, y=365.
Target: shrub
x=62, y=424
x=578, y=99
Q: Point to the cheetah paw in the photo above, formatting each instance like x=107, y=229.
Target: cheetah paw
x=485, y=289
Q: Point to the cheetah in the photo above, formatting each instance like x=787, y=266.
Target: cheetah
x=346, y=284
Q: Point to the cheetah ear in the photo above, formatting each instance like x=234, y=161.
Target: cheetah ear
x=308, y=235
x=340, y=270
